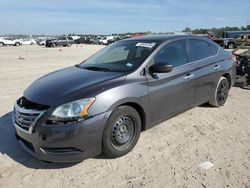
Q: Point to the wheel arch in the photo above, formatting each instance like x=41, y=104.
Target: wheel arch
x=228, y=77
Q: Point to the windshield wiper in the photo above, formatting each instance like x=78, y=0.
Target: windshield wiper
x=97, y=68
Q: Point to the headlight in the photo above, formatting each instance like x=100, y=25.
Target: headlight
x=72, y=111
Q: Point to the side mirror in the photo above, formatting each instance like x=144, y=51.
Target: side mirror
x=160, y=68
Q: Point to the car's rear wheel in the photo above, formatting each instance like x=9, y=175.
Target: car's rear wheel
x=221, y=93
x=1, y=44
x=121, y=132
x=17, y=44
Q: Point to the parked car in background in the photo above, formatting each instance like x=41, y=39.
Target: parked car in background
x=103, y=41
x=234, y=34
x=116, y=38
x=232, y=43
x=104, y=103
x=9, y=41
x=107, y=40
x=242, y=54
x=60, y=41
x=229, y=43
x=242, y=39
x=41, y=42
x=84, y=40
x=94, y=40
x=74, y=37
x=28, y=41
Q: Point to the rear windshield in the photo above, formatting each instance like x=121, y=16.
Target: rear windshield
x=123, y=56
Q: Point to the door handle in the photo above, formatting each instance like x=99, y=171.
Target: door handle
x=216, y=67
x=188, y=76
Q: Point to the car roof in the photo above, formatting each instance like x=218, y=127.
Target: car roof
x=161, y=37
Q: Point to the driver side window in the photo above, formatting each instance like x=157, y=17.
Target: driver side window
x=174, y=53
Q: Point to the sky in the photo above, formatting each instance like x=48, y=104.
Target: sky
x=117, y=16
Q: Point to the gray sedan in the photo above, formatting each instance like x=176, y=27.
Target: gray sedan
x=105, y=102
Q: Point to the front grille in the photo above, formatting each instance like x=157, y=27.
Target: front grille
x=25, y=120
x=26, y=114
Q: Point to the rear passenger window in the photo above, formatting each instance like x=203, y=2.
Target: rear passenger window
x=199, y=49
x=174, y=54
x=214, y=48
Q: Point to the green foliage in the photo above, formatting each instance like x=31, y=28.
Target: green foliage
x=187, y=29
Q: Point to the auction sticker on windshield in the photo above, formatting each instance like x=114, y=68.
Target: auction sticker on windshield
x=146, y=45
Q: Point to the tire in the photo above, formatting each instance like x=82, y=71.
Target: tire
x=221, y=93
x=69, y=45
x=53, y=45
x=231, y=45
x=17, y=44
x=32, y=43
x=1, y=44
x=121, y=132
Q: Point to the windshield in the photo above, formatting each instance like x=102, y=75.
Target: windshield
x=124, y=56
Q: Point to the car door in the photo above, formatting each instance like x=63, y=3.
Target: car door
x=61, y=41
x=206, y=68
x=9, y=41
x=173, y=92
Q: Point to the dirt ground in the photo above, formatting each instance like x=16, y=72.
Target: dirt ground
x=168, y=155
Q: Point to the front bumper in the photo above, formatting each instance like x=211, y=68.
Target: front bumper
x=69, y=142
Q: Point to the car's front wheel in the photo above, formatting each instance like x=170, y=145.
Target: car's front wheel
x=231, y=45
x=121, y=132
x=1, y=44
x=221, y=93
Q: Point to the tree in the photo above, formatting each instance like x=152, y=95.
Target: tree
x=187, y=29
x=242, y=28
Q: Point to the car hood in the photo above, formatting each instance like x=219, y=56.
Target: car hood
x=67, y=85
